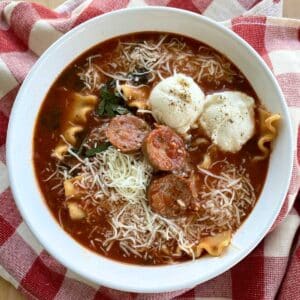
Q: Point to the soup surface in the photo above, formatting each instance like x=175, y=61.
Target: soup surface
x=152, y=148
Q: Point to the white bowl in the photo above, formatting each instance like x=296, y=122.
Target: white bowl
x=29, y=199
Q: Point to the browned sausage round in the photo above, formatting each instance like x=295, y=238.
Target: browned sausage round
x=170, y=196
x=164, y=149
x=127, y=133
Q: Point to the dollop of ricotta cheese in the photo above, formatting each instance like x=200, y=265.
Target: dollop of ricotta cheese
x=228, y=119
x=177, y=102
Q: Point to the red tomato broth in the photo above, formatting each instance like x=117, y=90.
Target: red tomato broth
x=47, y=135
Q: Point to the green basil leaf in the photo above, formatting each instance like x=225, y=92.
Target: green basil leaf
x=108, y=96
x=98, y=149
x=109, y=110
x=121, y=110
x=115, y=99
x=101, y=108
x=110, y=103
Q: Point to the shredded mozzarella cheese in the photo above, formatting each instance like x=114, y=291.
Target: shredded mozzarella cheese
x=128, y=175
x=119, y=181
x=161, y=59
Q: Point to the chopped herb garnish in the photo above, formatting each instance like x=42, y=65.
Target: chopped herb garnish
x=108, y=96
x=109, y=109
x=98, y=149
x=110, y=103
x=121, y=110
x=101, y=108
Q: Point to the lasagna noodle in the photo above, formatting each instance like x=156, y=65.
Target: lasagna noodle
x=135, y=96
x=71, y=188
x=73, y=192
x=268, y=131
x=213, y=245
x=75, y=211
x=73, y=121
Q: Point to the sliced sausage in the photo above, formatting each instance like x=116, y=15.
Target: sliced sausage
x=127, y=133
x=170, y=196
x=164, y=149
x=96, y=136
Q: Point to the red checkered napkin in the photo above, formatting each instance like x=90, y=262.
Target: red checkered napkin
x=272, y=269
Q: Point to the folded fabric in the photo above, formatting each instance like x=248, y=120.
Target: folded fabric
x=271, y=270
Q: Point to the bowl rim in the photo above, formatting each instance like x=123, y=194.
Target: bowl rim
x=51, y=248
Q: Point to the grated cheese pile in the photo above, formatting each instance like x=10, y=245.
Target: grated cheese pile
x=118, y=182
x=90, y=76
x=117, y=175
x=225, y=198
x=160, y=59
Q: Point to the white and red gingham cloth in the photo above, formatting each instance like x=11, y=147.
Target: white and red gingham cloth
x=271, y=270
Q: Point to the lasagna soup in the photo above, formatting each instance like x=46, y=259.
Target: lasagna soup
x=152, y=148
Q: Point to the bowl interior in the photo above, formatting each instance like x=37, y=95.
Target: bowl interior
x=29, y=199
